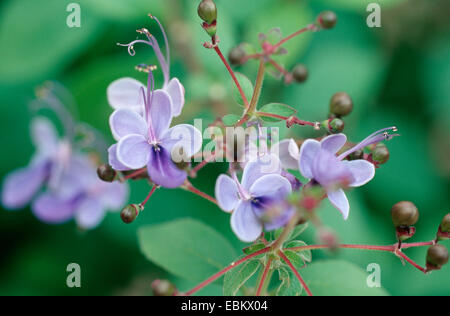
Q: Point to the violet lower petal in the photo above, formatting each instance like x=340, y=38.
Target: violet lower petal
x=244, y=222
x=162, y=171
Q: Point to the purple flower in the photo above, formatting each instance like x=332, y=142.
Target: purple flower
x=148, y=141
x=88, y=200
x=318, y=161
x=253, y=200
x=46, y=167
x=125, y=92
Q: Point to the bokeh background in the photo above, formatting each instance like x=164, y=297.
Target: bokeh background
x=397, y=75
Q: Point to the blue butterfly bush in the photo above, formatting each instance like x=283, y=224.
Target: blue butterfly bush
x=272, y=186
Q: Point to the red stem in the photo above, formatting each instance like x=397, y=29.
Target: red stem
x=284, y=40
x=279, y=67
x=299, y=277
x=201, y=165
x=135, y=174
x=238, y=85
x=222, y=272
x=194, y=190
x=263, y=278
x=293, y=120
x=149, y=195
x=410, y=261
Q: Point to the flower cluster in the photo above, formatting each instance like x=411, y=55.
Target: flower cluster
x=60, y=179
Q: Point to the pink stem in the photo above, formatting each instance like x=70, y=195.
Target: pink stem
x=263, y=278
x=299, y=277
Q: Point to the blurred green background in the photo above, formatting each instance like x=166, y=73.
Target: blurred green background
x=397, y=74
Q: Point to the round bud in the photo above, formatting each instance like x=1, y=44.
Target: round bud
x=445, y=225
x=404, y=213
x=380, y=154
x=300, y=73
x=336, y=125
x=130, y=213
x=163, y=288
x=236, y=56
x=327, y=19
x=207, y=11
x=437, y=256
x=341, y=104
x=359, y=154
x=106, y=173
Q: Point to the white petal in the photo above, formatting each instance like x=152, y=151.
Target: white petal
x=126, y=93
x=244, y=222
x=308, y=153
x=362, y=171
x=176, y=92
x=124, y=122
x=340, y=201
x=133, y=151
x=333, y=143
x=288, y=153
x=227, y=194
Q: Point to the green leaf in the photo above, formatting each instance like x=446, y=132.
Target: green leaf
x=338, y=278
x=294, y=258
x=186, y=248
x=254, y=248
x=236, y=277
x=247, y=88
x=276, y=109
x=290, y=285
x=230, y=119
x=306, y=255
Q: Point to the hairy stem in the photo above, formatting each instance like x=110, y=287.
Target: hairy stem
x=299, y=277
x=222, y=272
x=230, y=70
x=264, y=280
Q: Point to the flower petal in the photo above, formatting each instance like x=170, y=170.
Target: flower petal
x=44, y=135
x=244, y=222
x=333, y=143
x=163, y=171
x=176, y=92
x=133, y=151
x=125, y=122
x=227, y=194
x=52, y=209
x=160, y=112
x=89, y=213
x=288, y=153
x=21, y=185
x=182, y=136
x=113, y=161
x=126, y=93
x=362, y=170
x=329, y=171
x=268, y=164
x=339, y=201
x=273, y=186
x=308, y=152
x=114, y=195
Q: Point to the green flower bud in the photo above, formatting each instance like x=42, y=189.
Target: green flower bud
x=336, y=125
x=163, y=288
x=437, y=256
x=207, y=11
x=445, y=225
x=327, y=19
x=106, y=173
x=236, y=56
x=359, y=154
x=380, y=154
x=300, y=73
x=404, y=213
x=130, y=213
x=341, y=104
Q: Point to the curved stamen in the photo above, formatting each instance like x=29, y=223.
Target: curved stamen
x=242, y=193
x=165, y=40
x=374, y=138
x=148, y=103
